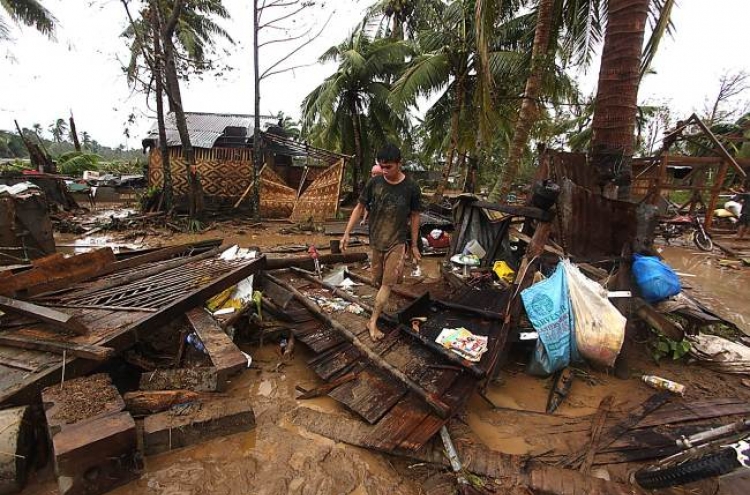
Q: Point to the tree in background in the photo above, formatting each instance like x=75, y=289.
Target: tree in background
x=170, y=41
x=59, y=129
x=30, y=13
x=350, y=111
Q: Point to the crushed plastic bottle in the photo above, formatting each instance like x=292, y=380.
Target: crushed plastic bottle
x=660, y=383
x=195, y=341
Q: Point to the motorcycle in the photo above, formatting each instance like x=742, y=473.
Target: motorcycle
x=683, y=226
x=706, y=454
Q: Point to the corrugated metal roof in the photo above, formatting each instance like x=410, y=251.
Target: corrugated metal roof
x=206, y=128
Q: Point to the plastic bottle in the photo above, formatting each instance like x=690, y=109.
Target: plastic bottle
x=193, y=340
x=660, y=383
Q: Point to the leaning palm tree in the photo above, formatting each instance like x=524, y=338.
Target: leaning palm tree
x=350, y=111
x=168, y=41
x=29, y=12
x=448, y=67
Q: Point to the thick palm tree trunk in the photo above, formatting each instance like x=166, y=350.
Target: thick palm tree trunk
x=455, y=116
x=175, y=100
x=158, y=78
x=529, y=112
x=358, y=169
x=616, y=102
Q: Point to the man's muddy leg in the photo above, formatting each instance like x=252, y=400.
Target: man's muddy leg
x=384, y=293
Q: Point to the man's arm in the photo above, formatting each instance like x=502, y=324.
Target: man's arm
x=415, y=236
x=356, y=213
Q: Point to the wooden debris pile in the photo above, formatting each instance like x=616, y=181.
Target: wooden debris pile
x=63, y=317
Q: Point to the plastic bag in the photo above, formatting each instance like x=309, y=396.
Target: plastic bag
x=548, y=307
x=599, y=326
x=656, y=280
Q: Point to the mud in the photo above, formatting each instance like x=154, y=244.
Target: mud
x=278, y=457
x=724, y=290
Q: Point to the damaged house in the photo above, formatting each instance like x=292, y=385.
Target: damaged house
x=224, y=161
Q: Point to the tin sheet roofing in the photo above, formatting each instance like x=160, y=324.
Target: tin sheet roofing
x=206, y=128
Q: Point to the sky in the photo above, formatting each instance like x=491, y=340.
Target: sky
x=42, y=80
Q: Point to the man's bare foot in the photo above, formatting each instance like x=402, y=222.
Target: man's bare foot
x=375, y=334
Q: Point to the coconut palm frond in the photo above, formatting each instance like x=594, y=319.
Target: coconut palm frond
x=30, y=13
x=427, y=74
x=660, y=14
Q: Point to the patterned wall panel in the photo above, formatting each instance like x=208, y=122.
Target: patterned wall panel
x=321, y=200
x=224, y=172
x=276, y=198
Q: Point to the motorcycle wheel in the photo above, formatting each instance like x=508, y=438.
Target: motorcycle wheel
x=703, y=241
x=709, y=466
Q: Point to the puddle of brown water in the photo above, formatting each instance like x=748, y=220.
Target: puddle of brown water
x=724, y=290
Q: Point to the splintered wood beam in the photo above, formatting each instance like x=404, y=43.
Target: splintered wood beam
x=224, y=354
x=434, y=402
x=41, y=313
x=85, y=351
x=463, y=364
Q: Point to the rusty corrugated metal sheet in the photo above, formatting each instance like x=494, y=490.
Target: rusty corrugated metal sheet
x=592, y=225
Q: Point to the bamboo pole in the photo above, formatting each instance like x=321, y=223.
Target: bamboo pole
x=438, y=406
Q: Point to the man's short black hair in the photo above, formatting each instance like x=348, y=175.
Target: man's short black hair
x=389, y=154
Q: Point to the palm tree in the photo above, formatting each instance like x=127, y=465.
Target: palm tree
x=622, y=66
x=449, y=66
x=37, y=129
x=59, y=130
x=165, y=33
x=86, y=140
x=29, y=12
x=350, y=111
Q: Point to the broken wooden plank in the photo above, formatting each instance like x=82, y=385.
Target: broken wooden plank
x=196, y=379
x=696, y=410
x=85, y=351
x=41, y=313
x=94, y=456
x=199, y=422
x=327, y=387
x=597, y=426
x=224, y=354
x=657, y=320
x=634, y=416
x=20, y=365
x=16, y=445
x=306, y=262
x=143, y=402
x=476, y=370
x=57, y=272
x=437, y=405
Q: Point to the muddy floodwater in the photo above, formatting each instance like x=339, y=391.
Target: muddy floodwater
x=725, y=290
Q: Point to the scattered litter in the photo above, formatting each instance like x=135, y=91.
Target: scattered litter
x=504, y=271
x=224, y=311
x=463, y=342
x=237, y=253
x=18, y=189
x=720, y=354
x=248, y=357
x=660, y=383
x=195, y=341
x=336, y=305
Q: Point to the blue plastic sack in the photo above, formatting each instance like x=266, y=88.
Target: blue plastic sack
x=655, y=279
x=548, y=308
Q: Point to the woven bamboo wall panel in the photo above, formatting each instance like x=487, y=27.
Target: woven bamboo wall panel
x=321, y=200
x=276, y=198
x=224, y=172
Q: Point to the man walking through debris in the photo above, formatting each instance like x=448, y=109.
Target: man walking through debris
x=394, y=200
